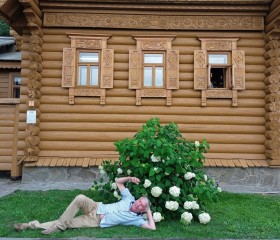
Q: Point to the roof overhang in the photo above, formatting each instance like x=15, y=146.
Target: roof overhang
x=11, y=12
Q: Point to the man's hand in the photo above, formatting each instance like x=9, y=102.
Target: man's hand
x=135, y=180
x=151, y=223
x=120, y=181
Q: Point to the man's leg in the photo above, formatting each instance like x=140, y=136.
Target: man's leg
x=33, y=225
x=67, y=219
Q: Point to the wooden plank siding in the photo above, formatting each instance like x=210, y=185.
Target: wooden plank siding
x=4, y=84
x=8, y=133
x=83, y=133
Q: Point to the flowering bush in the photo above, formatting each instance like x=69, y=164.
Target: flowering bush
x=170, y=169
x=186, y=217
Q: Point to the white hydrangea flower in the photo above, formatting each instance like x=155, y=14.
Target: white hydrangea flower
x=147, y=183
x=196, y=143
x=155, y=168
x=172, y=205
x=195, y=205
x=157, y=216
x=188, y=205
x=102, y=172
x=189, y=175
x=113, y=185
x=219, y=189
x=119, y=171
x=156, y=191
x=116, y=194
x=174, y=191
x=128, y=171
x=205, y=177
x=100, y=167
x=186, y=217
x=204, y=218
x=155, y=159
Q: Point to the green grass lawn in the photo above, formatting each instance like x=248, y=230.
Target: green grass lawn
x=234, y=216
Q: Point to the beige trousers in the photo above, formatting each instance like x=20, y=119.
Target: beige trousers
x=68, y=219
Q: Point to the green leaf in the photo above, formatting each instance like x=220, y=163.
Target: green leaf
x=158, y=177
x=152, y=172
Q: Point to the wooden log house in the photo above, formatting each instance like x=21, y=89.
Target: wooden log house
x=95, y=71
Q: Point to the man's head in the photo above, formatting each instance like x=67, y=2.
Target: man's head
x=140, y=205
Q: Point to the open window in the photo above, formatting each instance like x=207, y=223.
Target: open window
x=154, y=68
x=14, y=85
x=88, y=67
x=219, y=69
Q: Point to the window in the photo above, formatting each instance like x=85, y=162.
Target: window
x=16, y=86
x=88, y=67
x=154, y=68
x=219, y=69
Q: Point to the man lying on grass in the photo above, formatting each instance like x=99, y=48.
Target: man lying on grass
x=127, y=211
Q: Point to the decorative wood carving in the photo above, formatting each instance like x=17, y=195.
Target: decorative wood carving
x=218, y=94
x=218, y=45
x=202, y=69
x=109, y=20
x=106, y=66
x=87, y=92
x=69, y=67
x=153, y=93
x=238, y=63
x=135, y=69
x=89, y=43
x=172, y=69
x=154, y=43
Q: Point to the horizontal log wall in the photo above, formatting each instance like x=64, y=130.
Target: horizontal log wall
x=87, y=128
x=272, y=81
x=4, y=84
x=7, y=135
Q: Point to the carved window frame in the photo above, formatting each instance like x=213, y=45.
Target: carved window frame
x=202, y=69
x=89, y=43
x=14, y=89
x=152, y=44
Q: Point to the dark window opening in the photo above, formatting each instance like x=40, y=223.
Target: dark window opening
x=16, y=87
x=218, y=77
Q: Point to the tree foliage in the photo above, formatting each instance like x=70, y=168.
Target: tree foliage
x=4, y=29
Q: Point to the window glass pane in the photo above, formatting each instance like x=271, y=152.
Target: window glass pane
x=153, y=58
x=82, y=75
x=218, y=58
x=94, y=75
x=148, y=76
x=159, y=77
x=89, y=57
x=17, y=80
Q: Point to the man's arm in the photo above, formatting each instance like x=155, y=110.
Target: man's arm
x=120, y=182
x=151, y=223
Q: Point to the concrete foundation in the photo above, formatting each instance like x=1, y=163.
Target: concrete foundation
x=242, y=180
x=246, y=180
